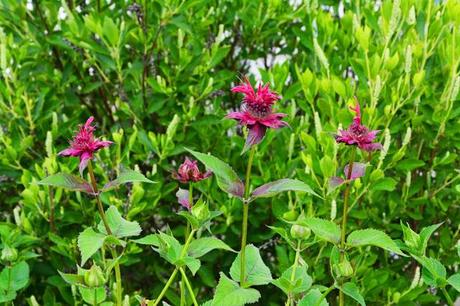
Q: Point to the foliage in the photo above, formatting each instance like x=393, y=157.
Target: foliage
x=156, y=75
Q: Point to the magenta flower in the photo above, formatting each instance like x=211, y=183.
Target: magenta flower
x=358, y=134
x=84, y=144
x=256, y=112
x=189, y=172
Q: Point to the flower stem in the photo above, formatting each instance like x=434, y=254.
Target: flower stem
x=52, y=225
x=109, y=232
x=448, y=298
x=173, y=275
x=165, y=288
x=189, y=287
x=244, y=231
x=187, y=234
x=345, y=215
x=294, y=268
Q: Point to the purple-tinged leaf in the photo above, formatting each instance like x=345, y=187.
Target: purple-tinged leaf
x=227, y=179
x=67, y=181
x=183, y=197
x=335, y=182
x=273, y=188
x=358, y=170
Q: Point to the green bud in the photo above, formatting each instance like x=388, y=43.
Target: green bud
x=94, y=277
x=200, y=211
x=290, y=215
x=9, y=254
x=300, y=232
x=344, y=269
x=396, y=297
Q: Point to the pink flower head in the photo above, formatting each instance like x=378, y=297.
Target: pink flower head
x=256, y=111
x=189, y=172
x=359, y=135
x=84, y=144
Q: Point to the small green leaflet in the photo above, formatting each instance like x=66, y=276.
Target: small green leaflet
x=202, y=246
x=273, y=188
x=352, y=291
x=257, y=273
x=373, y=237
x=323, y=229
x=126, y=176
x=67, y=181
x=229, y=293
x=120, y=227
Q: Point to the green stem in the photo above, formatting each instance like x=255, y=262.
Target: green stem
x=187, y=234
x=52, y=225
x=294, y=268
x=165, y=288
x=189, y=287
x=109, y=232
x=344, y=217
x=95, y=297
x=173, y=275
x=448, y=298
x=245, y=217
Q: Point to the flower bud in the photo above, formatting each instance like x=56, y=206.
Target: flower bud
x=9, y=254
x=94, y=277
x=200, y=211
x=290, y=215
x=344, y=269
x=300, y=232
x=396, y=297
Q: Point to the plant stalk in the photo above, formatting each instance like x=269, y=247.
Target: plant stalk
x=189, y=287
x=344, y=217
x=244, y=231
x=52, y=224
x=448, y=298
x=294, y=268
x=109, y=232
x=173, y=275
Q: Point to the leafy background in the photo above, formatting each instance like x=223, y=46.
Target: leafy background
x=156, y=75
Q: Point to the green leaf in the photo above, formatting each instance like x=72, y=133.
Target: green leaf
x=373, y=237
x=120, y=227
x=229, y=293
x=386, y=183
x=170, y=249
x=257, y=273
x=425, y=235
x=126, y=176
x=89, y=242
x=434, y=273
x=6, y=296
x=202, y=246
x=301, y=283
x=227, y=179
x=15, y=277
x=352, y=291
x=73, y=279
x=323, y=229
x=219, y=55
x=90, y=297
x=312, y=298
x=110, y=30
x=273, y=188
x=67, y=181
x=192, y=263
x=151, y=239
x=454, y=281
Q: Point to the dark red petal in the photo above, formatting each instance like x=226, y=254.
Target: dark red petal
x=70, y=152
x=84, y=159
x=358, y=170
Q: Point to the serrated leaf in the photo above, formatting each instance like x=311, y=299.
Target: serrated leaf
x=273, y=188
x=434, y=273
x=257, y=273
x=67, y=181
x=227, y=179
x=89, y=242
x=312, y=298
x=425, y=235
x=454, y=281
x=373, y=237
x=301, y=282
x=323, y=229
x=151, y=239
x=229, y=293
x=14, y=277
x=120, y=227
x=126, y=176
x=202, y=246
x=91, y=297
x=352, y=291
x=192, y=263
x=73, y=279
